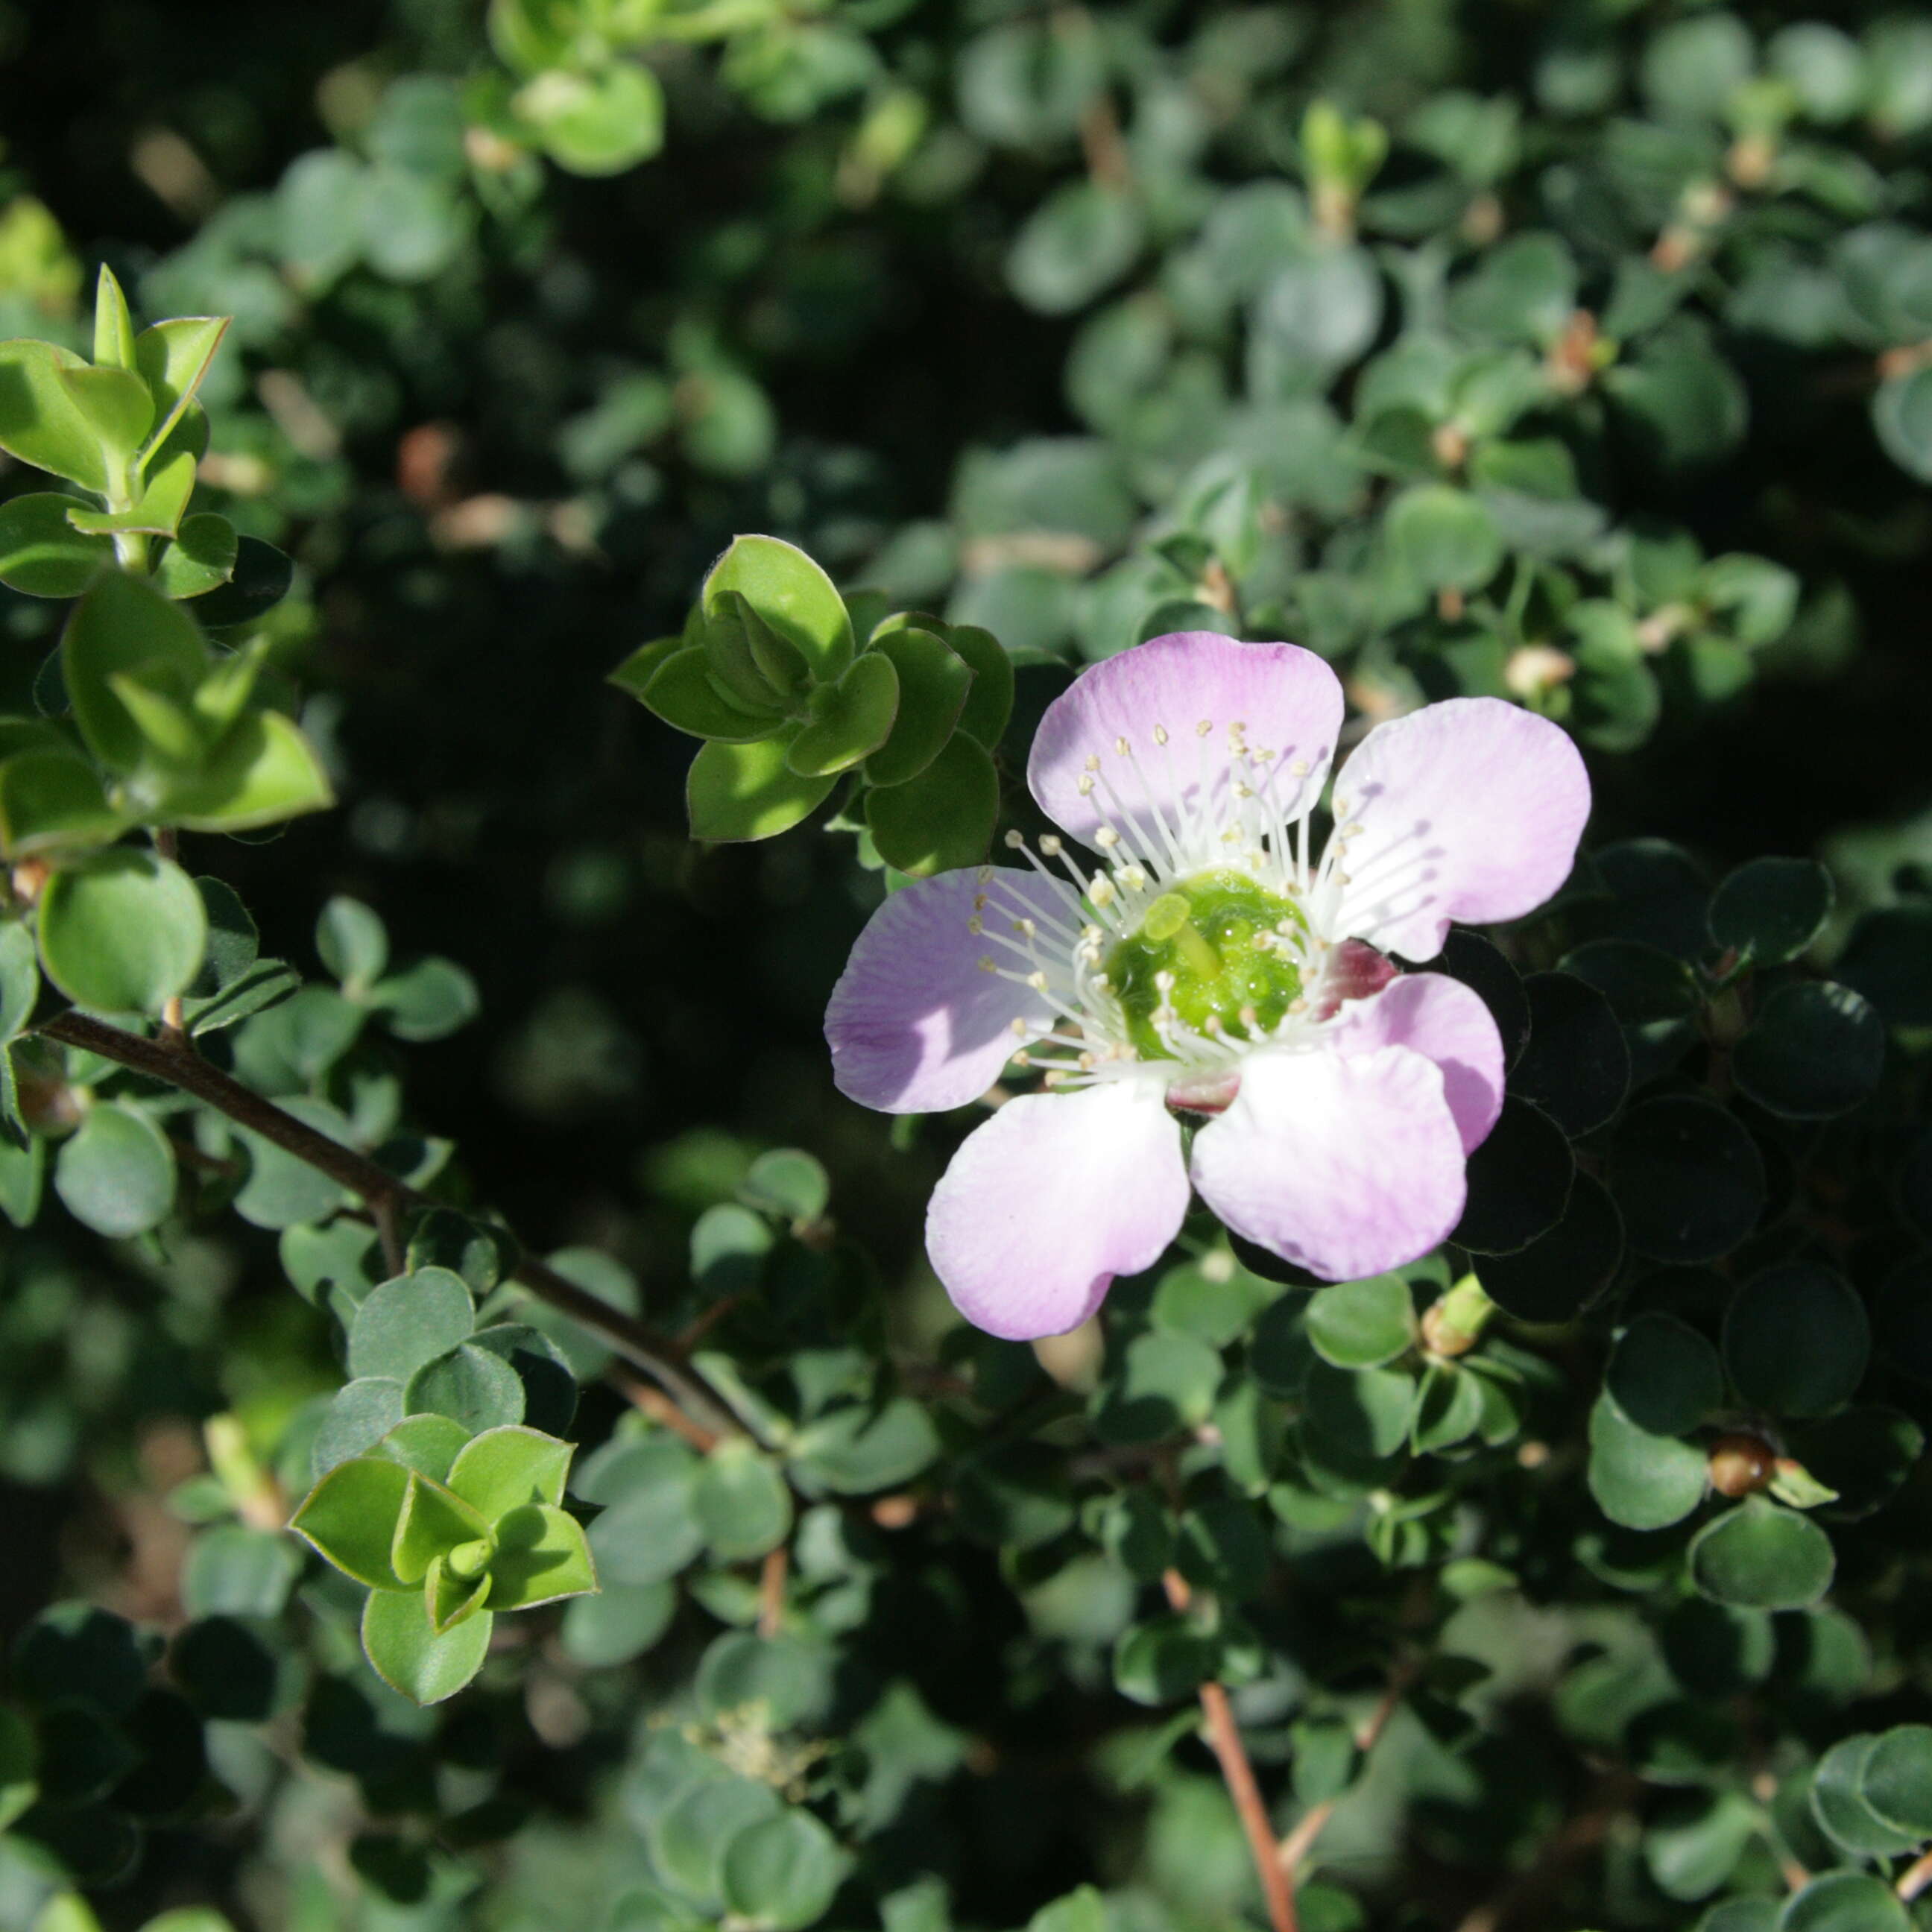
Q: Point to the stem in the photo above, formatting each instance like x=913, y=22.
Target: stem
x=1300, y=1842
x=1238, y=1775
x=1918, y=1876
x=771, y=1576
x=380, y=1191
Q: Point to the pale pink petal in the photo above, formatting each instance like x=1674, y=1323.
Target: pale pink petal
x=1345, y=1165
x=1468, y=810
x=1273, y=698
x=915, y=1023
x=1445, y=1022
x=1055, y=1195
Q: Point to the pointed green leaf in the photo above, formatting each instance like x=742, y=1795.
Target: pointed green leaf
x=725, y=638
x=173, y=356
x=540, y=1555
x=41, y=553
x=684, y=693
x=747, y=791
x=113, y=326
x=638, y=670
x=934, y=684
x=504, y=1468
x=432, y=1521
x=41, y=421
x=351, y=1517
x=942, y=819
x=791, y=594
x=170, y=734
x=452, y=1599
x=408, y=1656
x=124, y=627
x=53, y=801
x=850, y=720
x=263, y=771
x=114, y=402
x=123, y=931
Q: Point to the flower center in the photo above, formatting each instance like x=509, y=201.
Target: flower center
x=1214, y=954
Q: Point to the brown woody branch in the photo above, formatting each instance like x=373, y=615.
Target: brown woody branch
x=171, y=1059
x=1224, y=1735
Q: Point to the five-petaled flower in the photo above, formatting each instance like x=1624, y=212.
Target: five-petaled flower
x=1204, y=963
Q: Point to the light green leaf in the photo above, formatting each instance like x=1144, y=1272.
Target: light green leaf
x=114, y=402
x=173, y=356
x=263, y=771
x=117, y=1174
x=789, y=591
x=934, y=683
x=849, y=720
x=540, y=1555
x=53, y=801
x=41, y=421
x=123, y=931
x=684, y=693
x=747, y=791
x=408, y=1656
x=432, y=1523
x=351, y=1517
x=123, y=627
x=504, y=1468
x=113, y=325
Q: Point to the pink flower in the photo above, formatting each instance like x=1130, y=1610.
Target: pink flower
x=1203, y=962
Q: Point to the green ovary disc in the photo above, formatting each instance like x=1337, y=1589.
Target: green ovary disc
x=1205, y=931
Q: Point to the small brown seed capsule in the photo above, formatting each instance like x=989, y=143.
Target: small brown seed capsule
x=1741, y=1465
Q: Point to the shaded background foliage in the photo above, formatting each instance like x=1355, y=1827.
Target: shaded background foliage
x=503, y=414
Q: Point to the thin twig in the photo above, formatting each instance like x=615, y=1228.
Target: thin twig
x=1300, y=1842
x=1918, y=1876
x=179, y=1066
x=1224, y=1735
x=772, y=1576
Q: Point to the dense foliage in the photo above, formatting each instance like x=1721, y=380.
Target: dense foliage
x=523, y=526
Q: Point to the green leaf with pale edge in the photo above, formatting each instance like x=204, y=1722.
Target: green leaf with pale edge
x=504, y=1468
x=125, y=627
x=41, y=553
x=452, y=1599
x=173, y=356
x=740, y=792
x=123, y=932
x=540, y=1555
x=941, y=819
x=432, y=1521
x=351, y=1516
x=408, y=1656
x=850, y=720
x=428, y=1444
x=790, y=593
x=53, y=801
